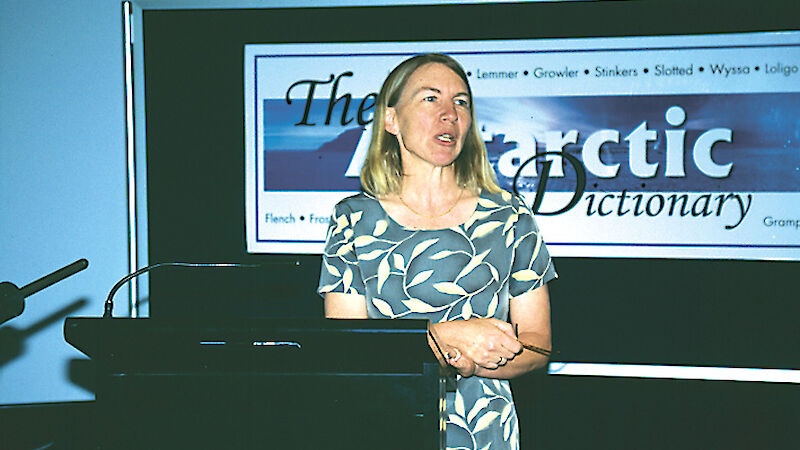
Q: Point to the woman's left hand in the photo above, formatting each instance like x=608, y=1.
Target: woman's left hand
x=487, y=342
x=480, y=341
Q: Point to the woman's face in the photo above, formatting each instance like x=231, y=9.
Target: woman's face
x=431, y=118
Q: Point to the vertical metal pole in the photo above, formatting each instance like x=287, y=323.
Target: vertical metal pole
x=133, y=287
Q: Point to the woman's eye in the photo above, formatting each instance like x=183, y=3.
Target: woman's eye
x=462, y=102
x=430, y=98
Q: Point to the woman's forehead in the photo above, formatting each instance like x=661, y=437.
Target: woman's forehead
x=437, y=76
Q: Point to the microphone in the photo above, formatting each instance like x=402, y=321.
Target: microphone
x=12, y=298
x=108, y=307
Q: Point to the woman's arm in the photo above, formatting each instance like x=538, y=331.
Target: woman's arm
x=345, y=306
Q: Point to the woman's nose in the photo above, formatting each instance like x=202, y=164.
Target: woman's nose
x=449, y=113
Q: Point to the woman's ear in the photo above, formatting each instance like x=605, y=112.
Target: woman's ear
x=390, y=121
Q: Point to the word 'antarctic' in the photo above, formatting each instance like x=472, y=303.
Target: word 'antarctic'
x=637, y=140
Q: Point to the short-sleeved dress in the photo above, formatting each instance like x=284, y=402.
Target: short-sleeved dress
x=470, y=270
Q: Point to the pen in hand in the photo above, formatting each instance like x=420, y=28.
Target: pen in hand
x=533, y=348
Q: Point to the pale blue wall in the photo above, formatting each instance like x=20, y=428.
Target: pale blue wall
x=62, y=177
x=62, y=174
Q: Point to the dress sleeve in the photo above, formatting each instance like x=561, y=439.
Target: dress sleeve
x=340, y=271
x=531, y=265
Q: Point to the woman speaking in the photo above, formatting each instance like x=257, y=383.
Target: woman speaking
x=434, y=237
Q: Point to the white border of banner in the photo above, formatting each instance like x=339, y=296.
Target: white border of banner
x=675, y=240
x=675, y=372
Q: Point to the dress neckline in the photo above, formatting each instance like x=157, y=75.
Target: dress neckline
x=406, y=228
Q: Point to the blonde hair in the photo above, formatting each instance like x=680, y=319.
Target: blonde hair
x=382, y=173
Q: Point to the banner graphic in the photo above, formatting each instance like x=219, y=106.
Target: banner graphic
x=676, y=146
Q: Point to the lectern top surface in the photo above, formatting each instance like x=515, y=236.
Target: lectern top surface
x=260, y=342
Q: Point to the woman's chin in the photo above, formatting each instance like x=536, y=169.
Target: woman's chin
x=444, y=158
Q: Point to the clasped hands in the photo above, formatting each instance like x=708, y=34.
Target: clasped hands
x=478, y=343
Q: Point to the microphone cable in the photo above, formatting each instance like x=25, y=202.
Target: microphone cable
x=109, y=304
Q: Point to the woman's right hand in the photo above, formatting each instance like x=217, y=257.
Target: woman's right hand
x=465, y=366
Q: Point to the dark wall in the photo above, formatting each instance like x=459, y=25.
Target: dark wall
x=566, y=413
x=716, y=312
x=688, y=312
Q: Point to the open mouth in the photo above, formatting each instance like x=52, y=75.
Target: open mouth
x=446, y=138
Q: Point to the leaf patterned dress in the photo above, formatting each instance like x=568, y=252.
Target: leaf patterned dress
x=469, y=270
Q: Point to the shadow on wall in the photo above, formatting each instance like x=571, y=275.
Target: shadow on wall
x=12, y=339
x=83, y=371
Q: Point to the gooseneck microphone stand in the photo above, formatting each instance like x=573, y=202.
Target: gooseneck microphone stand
x=12, y=298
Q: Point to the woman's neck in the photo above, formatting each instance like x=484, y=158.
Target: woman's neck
x=430, y=201
x=432, y=190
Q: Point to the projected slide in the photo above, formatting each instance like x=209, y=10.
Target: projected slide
x=679, y=146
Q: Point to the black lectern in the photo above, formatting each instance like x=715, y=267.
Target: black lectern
x=266, y=384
